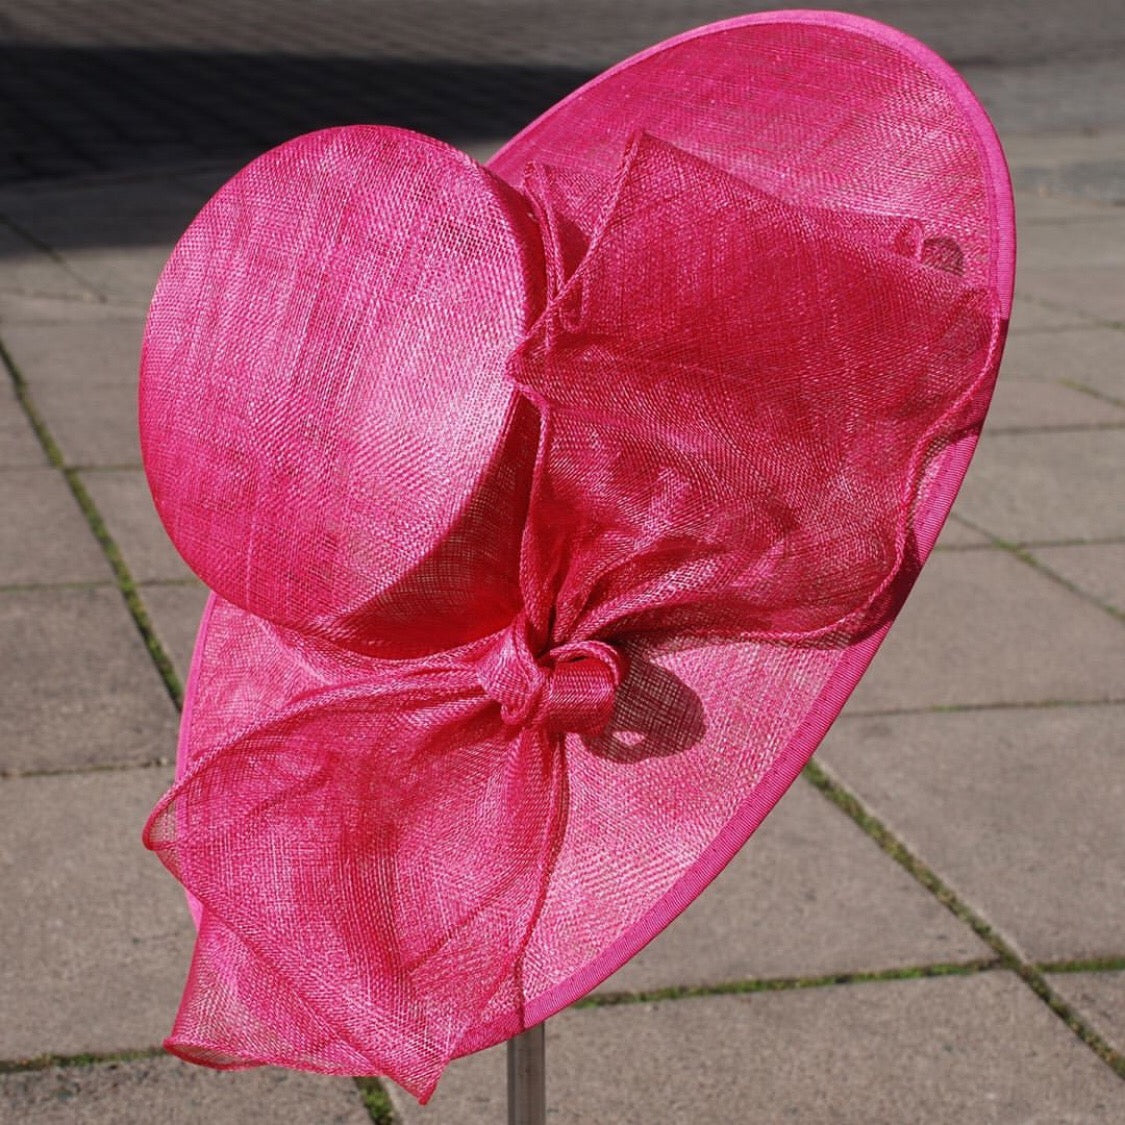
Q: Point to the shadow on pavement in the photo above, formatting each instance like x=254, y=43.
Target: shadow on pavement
x=68, y=111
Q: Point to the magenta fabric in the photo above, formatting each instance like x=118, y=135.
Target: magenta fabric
x=552, y=509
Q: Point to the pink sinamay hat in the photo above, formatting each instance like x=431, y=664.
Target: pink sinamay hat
x=552, y=509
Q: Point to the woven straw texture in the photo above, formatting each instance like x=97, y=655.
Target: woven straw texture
x=552, y=510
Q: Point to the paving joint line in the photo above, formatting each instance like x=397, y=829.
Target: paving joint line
x=127, y=587
x=98, y=767
x=959, y=708
x=1020, y=551
x=1058, y=428
x=1036, y=544
x=1054, y=329
x=1097, y=541
x=37, y=243
x=132, y=466
x=1055, y=306
x=787, y=984
x=373, y=1093
x=31, y=587
x=376, y=1101
x=1028, y=544
x=1030, y=973
x=82, y=1059
x=1110, y=964
x=123, y=579
x=1101, y=396
x=742, y=986
x=88, y=470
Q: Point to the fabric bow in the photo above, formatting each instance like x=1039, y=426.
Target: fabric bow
x=397, y=823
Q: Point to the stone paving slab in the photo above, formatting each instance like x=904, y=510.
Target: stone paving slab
x=79, y=687
x=24, y=309
x=110, y=240
x=1100, y=997
x=1039, y=200
x=978, y=1049
x=92, y=423
x=128, y=1093
x=1021, y=404
x=120, y=274
x=809, y=895
x=122, y=211
x=123, y=499
x=43, y=534
x=1092, y=357
x=981, y=627
x=1043, y=487
x=31, y=272
x=1094, y=290
x=96, y=934
x=1098, y=569
x=1019, y=810
x=1086, y=243
x=19, y=446
x=1034, y=317
x=1044, y=94
x=1063, y=150
x=102, y=349
x=175, y=610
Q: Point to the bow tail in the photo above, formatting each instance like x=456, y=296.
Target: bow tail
x=238, y=1009
x=369, y=876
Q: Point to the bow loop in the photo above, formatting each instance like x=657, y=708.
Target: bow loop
x=418, y=837
x=740, y=396
x=570, y=689
x=582, y=687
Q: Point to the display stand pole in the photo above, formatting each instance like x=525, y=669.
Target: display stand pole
x=527, y=1078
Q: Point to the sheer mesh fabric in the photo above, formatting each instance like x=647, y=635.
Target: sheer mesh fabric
x=551, y=511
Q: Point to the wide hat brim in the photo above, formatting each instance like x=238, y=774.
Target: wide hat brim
x=824, y=111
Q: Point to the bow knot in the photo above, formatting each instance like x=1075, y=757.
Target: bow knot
x=570, y=688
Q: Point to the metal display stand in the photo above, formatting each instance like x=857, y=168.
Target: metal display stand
x=527, y=1078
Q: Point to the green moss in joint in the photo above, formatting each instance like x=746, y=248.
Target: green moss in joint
x=783, y=984
x=47, y=1062
x=376, y=1101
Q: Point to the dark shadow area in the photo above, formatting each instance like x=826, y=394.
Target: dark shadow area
x=69, y=111
x=656, y=715
x=467, y=587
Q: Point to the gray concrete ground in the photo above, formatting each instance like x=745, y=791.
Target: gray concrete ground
x=97, y=86
x=929, y=928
